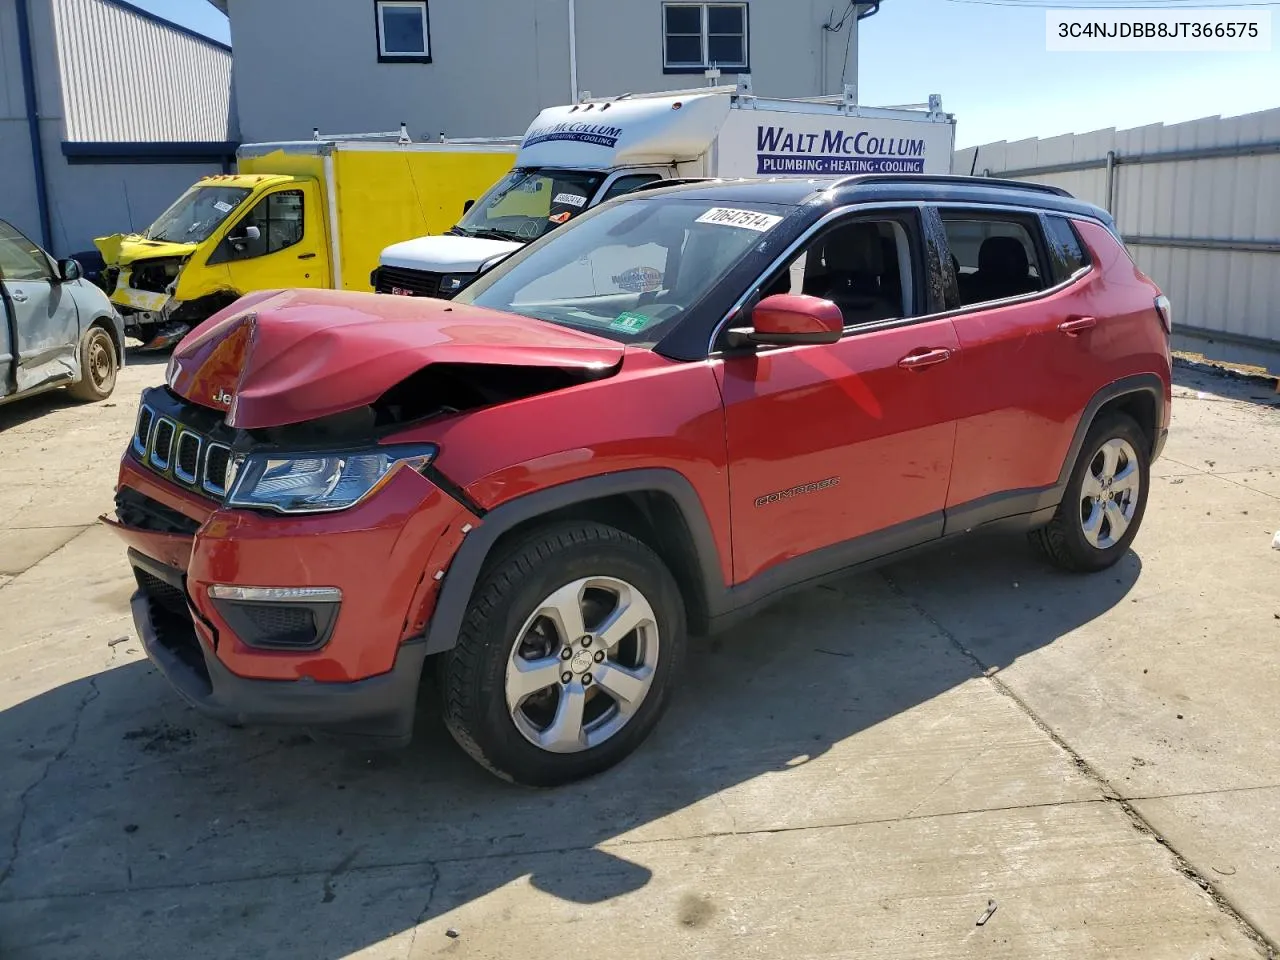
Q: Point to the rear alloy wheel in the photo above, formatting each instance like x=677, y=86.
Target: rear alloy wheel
x=98, y=367
x=1105, y=498
x=566, y=655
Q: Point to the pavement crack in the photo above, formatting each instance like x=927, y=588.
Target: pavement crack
x=425, y=912
x=343, y=866
x=1109, y=792
x=15, y=842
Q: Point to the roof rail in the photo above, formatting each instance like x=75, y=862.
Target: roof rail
x=673, y=182
x=952, y=179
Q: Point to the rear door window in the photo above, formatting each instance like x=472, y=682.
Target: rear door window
x=995, y=257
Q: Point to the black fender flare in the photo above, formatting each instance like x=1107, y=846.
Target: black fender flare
x=1138, y=383
x=464, y=570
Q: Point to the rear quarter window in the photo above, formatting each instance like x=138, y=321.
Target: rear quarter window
x=1066, y=252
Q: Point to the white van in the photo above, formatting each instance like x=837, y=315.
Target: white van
x=577, y=156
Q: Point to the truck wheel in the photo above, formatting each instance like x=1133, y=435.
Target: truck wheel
x=566, y=655
x=1105, y=498
x=98, y=367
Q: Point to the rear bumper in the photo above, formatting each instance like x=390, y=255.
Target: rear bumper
x=378, y=710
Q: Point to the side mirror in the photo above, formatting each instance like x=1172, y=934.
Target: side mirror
x=69, y=270
x=787, y=319
x=492, y=262
x=466, y=207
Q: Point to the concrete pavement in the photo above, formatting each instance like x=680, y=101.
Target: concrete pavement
x=856, y=773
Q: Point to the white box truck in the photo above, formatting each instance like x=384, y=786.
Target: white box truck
x=576, y=156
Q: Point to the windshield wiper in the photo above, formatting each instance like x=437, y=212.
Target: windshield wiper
x=490, y=234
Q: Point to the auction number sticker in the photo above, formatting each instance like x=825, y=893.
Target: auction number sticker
x=570, y=199
x=746, y=219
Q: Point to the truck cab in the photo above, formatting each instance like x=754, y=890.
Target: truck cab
x=225, y=235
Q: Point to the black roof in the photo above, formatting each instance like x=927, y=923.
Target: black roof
x=882, y=187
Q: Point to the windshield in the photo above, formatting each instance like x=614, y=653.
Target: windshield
x=196, y=214
x=526, y=203
x=630, y=269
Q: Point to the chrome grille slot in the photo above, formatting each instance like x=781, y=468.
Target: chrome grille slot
x=216, y=459
x=142, y=432
x=162, y=448
x=188, y=457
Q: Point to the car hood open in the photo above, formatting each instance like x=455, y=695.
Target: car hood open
x=275, y=358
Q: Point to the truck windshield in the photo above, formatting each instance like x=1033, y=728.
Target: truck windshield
x=528, y=202
x=196, y=214
x=629, y=270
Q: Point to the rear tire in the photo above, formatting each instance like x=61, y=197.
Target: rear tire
x=1105, y=499
x=99, y=365
x=506, y=699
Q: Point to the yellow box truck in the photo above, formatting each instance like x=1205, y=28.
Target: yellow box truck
x=313, y=213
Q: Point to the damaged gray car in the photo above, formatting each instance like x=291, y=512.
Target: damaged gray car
x=59, y=330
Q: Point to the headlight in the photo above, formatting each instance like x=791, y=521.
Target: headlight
x=453, y=282
x=317, y=482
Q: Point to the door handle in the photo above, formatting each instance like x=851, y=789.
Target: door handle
x=306, y=256
x=918, y=361
x=1074, y=325
x=18, y=296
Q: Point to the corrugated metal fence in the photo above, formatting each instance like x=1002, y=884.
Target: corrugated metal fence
x=1198, y=204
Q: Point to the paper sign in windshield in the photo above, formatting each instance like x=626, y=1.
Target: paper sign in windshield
x=570, y=199
x=746, y=219
x=639, y=280
x=221, y=206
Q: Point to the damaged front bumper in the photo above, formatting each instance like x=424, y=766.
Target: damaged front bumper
x=379, y=710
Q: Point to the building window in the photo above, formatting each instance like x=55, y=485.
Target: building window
x=404, y=34
x=698, y=36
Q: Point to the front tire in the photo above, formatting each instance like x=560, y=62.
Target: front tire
x=99, y=365
x=1105, y=498
x=566, y=656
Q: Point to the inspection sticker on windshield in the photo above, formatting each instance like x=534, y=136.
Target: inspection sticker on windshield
x=221, y=206
x=570, y=199
x=629, y=322
x=747, y=219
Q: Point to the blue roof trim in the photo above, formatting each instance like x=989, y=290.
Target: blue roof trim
x=154, y=18
x=150, y=151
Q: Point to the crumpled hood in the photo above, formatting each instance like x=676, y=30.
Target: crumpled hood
x=278, y=357
x=121, y=249
x=447, y=254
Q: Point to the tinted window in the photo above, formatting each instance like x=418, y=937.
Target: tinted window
x=994, y=257
x=20, y=259
x=1065, y=248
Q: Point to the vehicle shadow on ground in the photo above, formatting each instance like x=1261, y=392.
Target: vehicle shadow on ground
x=197, y=840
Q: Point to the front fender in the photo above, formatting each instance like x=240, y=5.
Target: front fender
x=464, y=569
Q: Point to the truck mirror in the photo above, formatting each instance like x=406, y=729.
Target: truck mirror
x=467, y=205
x=252, y=233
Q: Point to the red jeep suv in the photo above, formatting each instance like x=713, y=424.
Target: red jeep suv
x=649, y=423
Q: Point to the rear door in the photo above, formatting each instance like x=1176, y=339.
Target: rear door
x=840, y=452
x=42, y=313
x=289, y=249
x=1025, y=333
